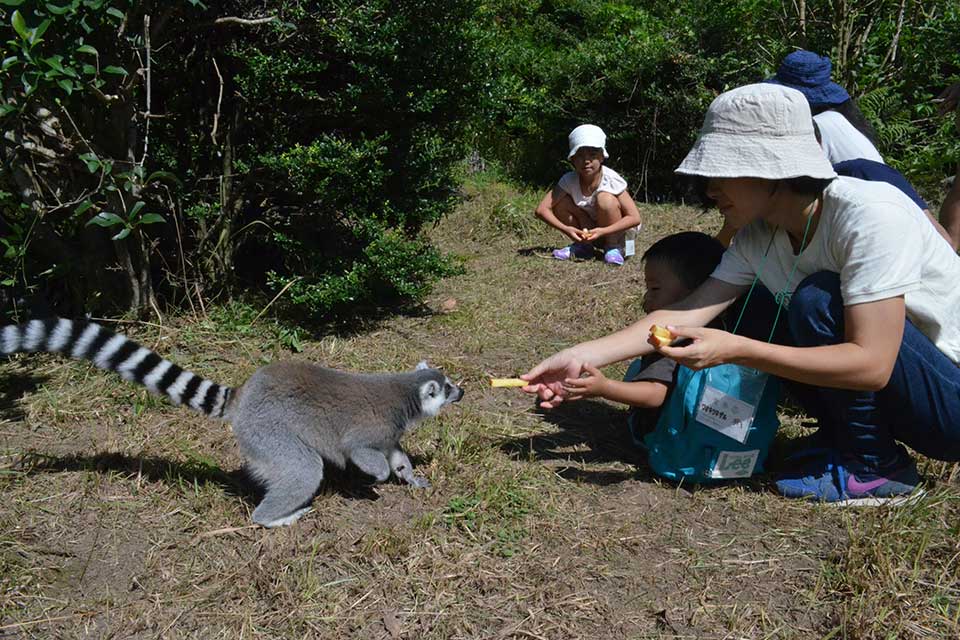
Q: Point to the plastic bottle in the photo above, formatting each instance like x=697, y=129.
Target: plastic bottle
x=630, y=241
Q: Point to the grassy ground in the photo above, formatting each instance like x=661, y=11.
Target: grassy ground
x=124, y=517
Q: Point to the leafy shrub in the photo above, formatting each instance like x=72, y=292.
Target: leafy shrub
x=291, y=143
x=303, y=147
x=647, y=72
x=365, y=121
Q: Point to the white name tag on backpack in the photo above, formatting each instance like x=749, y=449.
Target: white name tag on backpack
x=722, y=412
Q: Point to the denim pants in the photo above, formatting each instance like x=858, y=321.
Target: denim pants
x=920, y=406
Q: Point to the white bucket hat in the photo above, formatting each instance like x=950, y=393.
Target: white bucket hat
x=588, y=135
x=758, y=131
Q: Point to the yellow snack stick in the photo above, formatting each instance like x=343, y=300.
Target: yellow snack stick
x=661, y=335
x=508, y=382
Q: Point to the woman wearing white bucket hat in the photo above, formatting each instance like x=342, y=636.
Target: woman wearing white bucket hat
x=590, y=204
x=870, y=338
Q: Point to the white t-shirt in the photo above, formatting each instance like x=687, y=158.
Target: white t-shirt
x=880, y=244
x=610, y=181
x=842, y=141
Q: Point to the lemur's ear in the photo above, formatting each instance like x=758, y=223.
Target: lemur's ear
x=422, y=365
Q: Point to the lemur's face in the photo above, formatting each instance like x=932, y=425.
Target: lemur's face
x=436, y=391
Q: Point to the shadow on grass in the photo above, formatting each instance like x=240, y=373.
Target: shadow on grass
x=349, y=483
x=592, y=433
x=536, y=251
x=547, y=252
x=14, y=387
x=595, y=433
x=362, y=318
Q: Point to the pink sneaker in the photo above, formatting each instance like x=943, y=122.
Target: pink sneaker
x=614, y=257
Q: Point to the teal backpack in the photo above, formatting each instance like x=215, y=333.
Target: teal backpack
x=717, y=424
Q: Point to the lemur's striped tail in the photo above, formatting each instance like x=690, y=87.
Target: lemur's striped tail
x=116, y=352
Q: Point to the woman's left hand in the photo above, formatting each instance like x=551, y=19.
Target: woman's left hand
x=708, y=347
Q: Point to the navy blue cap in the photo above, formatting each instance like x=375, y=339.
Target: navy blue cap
x=809, y=73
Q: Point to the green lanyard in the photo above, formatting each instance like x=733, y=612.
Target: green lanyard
x=779, y=296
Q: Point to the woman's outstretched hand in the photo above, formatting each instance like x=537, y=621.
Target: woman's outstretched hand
x=547, y=378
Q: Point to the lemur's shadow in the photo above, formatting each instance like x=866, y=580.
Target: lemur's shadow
x=591, y=433
x=14, y=387
x=350, y=483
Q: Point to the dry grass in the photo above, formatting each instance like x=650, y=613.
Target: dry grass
x=124, y=517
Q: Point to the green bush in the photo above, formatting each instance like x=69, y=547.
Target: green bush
x=304, y=147
x=361, y=115
x=646, y=73
x=293, y=143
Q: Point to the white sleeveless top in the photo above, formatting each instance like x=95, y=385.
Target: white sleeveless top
x=610, y=181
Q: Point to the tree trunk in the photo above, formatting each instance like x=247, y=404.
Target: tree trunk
x=134, y=302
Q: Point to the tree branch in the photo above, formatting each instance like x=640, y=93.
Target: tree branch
x=243, y=22
x=146, y=133
x=892, y=52
x=216, y=116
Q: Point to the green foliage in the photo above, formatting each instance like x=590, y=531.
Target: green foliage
x=646, y=73
x=133, y=219
x=68, y=100
x=615, y=64
x=361, y=115
x=310, y=150
x=64, y=61
x=303, y=147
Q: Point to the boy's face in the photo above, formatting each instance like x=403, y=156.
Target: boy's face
x=664, y=287
x=587, y=160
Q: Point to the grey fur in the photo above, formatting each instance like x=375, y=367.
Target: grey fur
x=289, y=418
x=337, y=417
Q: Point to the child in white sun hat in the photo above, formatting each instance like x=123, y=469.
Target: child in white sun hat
x=863, y=325
x=591, y=204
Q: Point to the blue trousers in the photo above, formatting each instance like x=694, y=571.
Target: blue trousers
x=920, y=406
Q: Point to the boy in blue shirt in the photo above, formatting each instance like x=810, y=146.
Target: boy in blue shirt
x=672, y=268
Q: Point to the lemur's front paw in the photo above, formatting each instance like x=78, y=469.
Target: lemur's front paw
x=419, y=482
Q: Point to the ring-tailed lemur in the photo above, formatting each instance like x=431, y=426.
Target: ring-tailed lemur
x=289, y=417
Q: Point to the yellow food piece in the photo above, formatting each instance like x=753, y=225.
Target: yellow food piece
x=661, y=335
x=508, y=382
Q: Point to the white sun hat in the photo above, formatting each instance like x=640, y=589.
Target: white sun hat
x=588, y=135
x=758, y=131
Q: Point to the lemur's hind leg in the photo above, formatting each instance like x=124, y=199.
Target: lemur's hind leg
x=290, y=488
x=371, y=462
